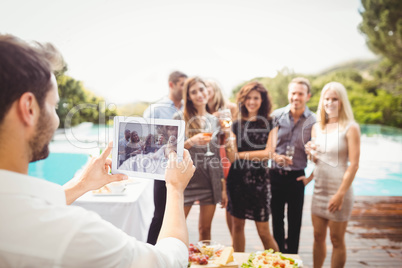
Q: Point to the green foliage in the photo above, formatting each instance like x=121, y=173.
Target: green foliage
x=79, y=105
x=382, y=26
x=132, y=109
x=277, y=86
x=371, y=103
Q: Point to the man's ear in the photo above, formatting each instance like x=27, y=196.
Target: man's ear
x=171, y=84
x=28, y=108
x=308, y=96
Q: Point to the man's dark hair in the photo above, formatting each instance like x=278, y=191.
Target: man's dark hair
x=25, y=68
x=175, y=76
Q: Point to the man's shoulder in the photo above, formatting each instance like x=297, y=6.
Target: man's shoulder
x=311, y=117
x=279, y=111
x=154, y=109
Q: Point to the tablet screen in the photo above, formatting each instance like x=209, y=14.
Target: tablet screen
x=144, y=146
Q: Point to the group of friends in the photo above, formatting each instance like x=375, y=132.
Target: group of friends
x=229, y=167
x=251, y=189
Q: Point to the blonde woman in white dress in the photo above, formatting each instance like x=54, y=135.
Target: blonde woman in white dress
x=335, y=148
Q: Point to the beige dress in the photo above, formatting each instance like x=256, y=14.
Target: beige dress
x=328, y=174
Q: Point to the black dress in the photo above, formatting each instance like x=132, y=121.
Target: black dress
x=248, y=186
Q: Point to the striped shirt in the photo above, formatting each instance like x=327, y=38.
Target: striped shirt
x=296, y=135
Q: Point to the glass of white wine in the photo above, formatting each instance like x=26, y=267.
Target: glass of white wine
x=225, y=116
x=290, y=151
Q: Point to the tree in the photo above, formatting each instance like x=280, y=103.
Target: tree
x=82, y=104
x=382, y=25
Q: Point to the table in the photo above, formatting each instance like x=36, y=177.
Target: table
x=131, y=212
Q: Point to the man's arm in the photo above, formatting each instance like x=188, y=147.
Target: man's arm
x=177, y=177
x=94, y=177
x=97, y=243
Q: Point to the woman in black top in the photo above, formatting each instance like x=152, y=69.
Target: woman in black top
x=248, y=186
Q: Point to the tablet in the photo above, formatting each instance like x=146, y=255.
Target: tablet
x=142, y=145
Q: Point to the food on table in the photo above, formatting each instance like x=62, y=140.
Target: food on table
x=209, y=247
x=209, y=252
x=195, y=255
x=226, y=256
x=269, y=259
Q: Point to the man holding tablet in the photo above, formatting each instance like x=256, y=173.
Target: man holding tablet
x=38, y=228
x=164, y=109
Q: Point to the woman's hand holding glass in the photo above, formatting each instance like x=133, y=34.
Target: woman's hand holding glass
x=225, y=118
x=201, y=139
x=311, y=149
x=225, y=122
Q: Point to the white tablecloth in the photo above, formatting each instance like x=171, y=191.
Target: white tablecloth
x=131, y=212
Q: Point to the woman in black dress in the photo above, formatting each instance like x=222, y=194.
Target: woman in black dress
x=248, y=186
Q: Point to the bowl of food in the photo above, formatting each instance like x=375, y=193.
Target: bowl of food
x=209, y=247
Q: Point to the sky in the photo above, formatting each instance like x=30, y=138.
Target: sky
x=124, y=50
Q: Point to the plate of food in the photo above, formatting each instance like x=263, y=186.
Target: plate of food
x=271, y=259
x=209, y=253
x=112, y=189
x=209, y=247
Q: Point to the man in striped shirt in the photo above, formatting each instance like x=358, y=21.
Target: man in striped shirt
x=294, y=123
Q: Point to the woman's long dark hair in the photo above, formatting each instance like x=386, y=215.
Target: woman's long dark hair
x=266, y=104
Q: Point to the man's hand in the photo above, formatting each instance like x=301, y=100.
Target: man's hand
x=282, y=160
x=95, y=175
x=179, y=174
x=304, y=179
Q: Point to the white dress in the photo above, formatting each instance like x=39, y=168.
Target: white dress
x=328, y=174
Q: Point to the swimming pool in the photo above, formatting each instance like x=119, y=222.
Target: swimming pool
x=373, y=181
x=58, y=167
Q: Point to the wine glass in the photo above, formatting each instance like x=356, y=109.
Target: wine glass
x=225, y=116
x=314, y=148
x=290, y=151
x=207, y=133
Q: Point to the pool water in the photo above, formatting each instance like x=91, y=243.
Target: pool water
x=58, y=167
x=372, y=181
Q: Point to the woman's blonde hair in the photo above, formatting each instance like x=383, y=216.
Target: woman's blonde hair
x=218, y=100
x=193, y=123
x=345, y=113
